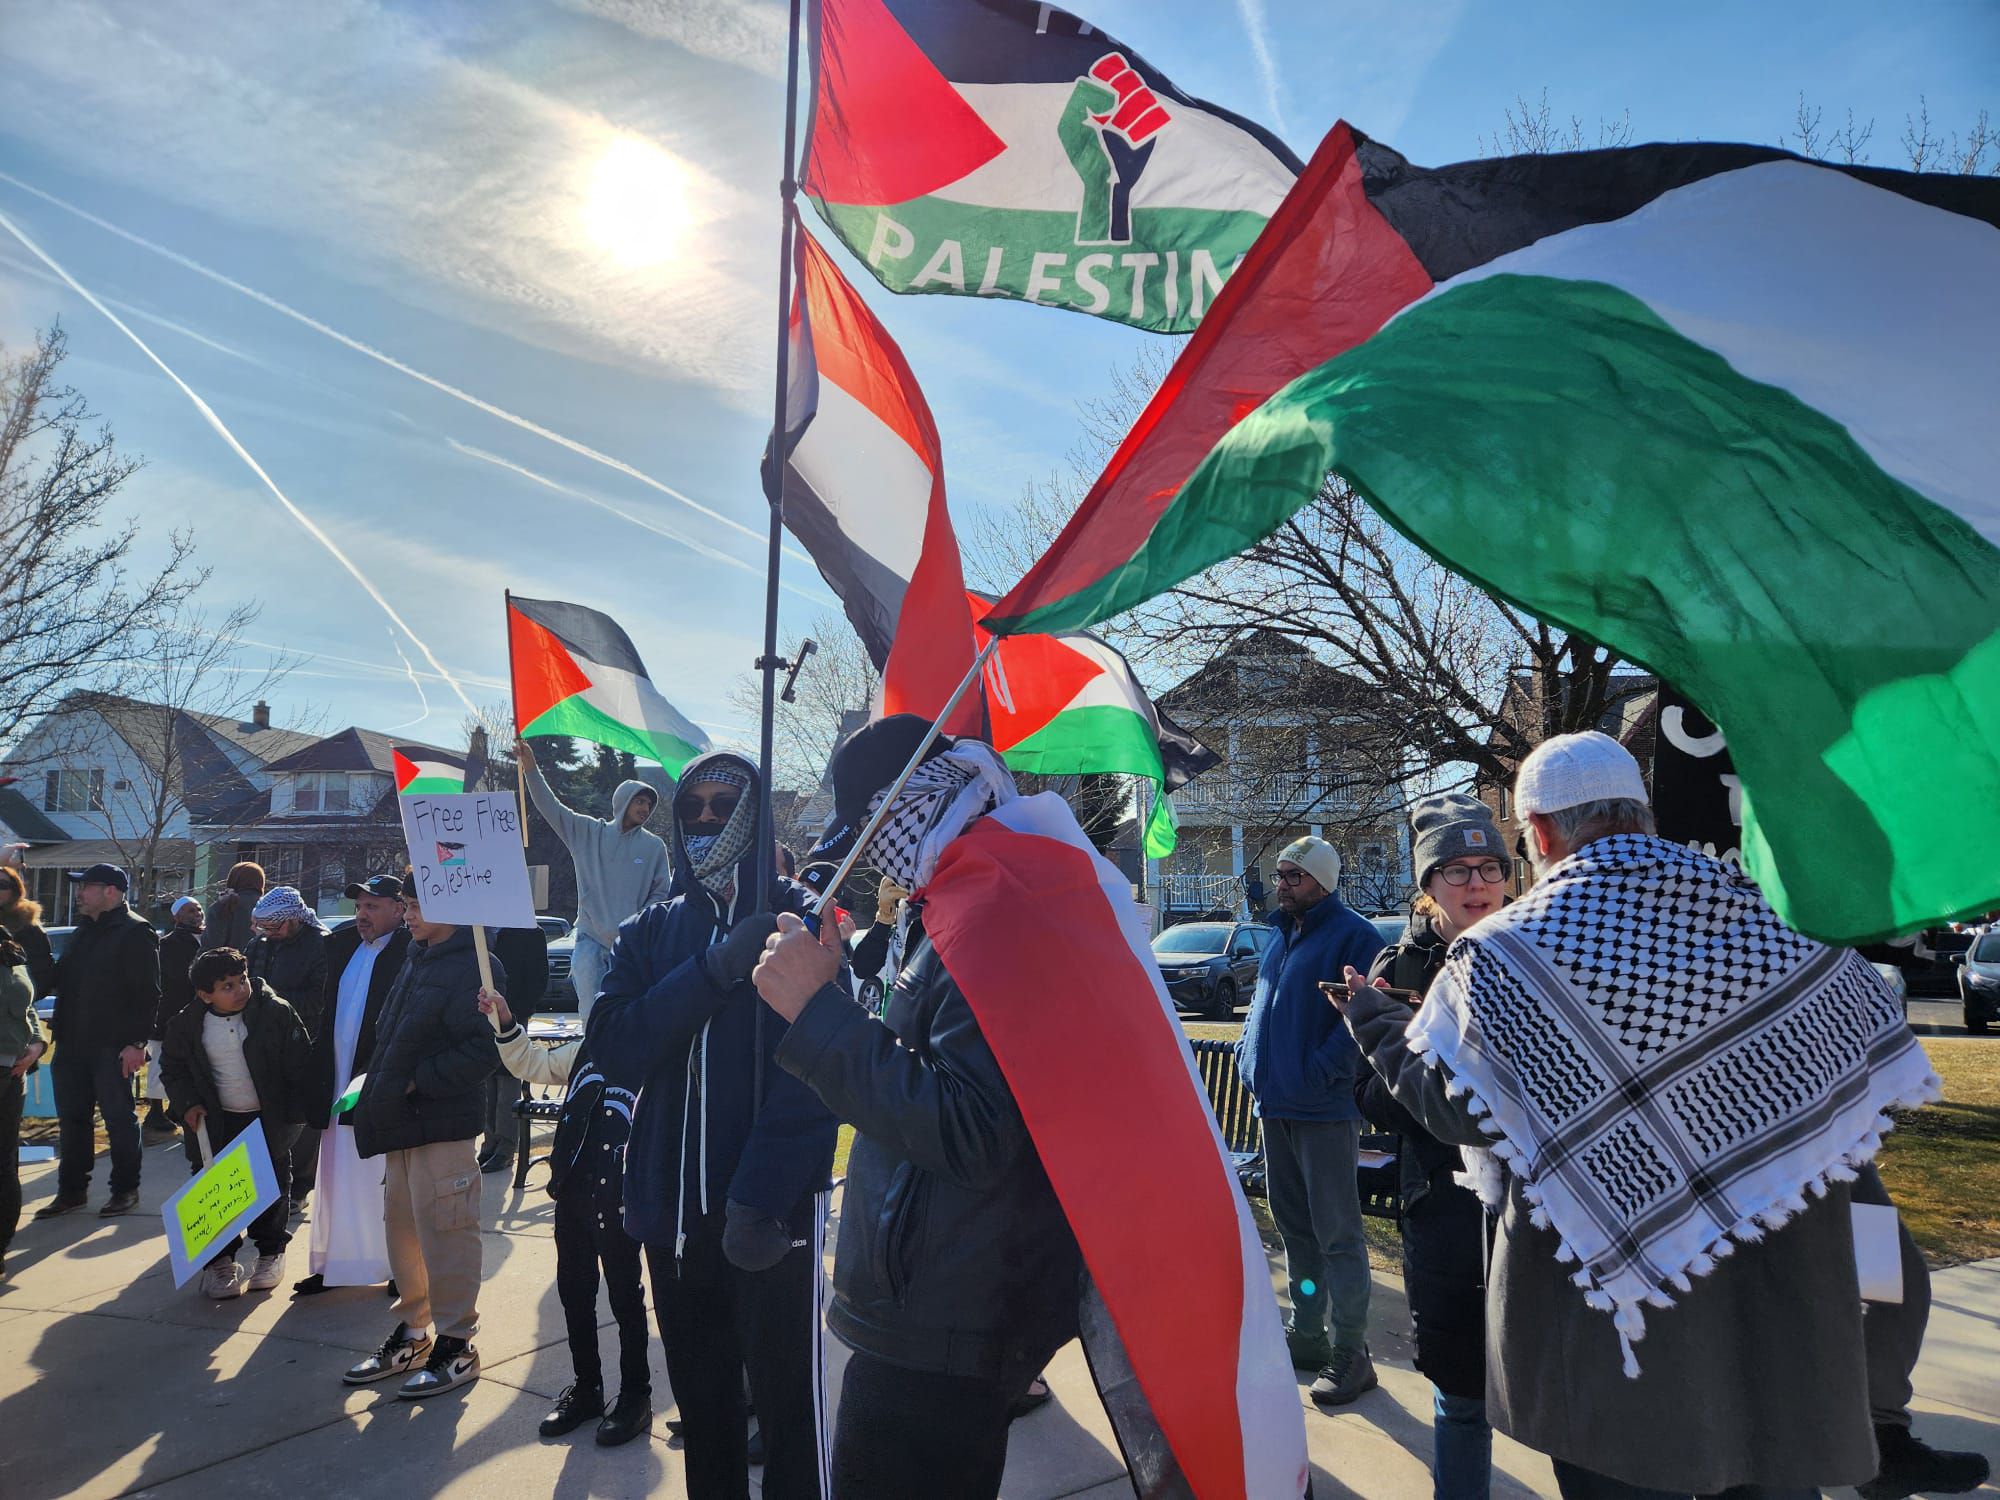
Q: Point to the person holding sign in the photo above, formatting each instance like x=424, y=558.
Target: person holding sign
x=240, y=1059
x=621, y=868
x=420, y=1107
x=729, y=1156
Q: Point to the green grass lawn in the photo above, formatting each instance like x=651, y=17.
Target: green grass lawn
x=1942, y=1162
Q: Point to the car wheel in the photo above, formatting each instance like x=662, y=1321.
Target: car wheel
x=1222, y=1004
x=1975, y=1025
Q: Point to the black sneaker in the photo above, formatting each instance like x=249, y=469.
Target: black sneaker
x=1350, y=1375
x=576, y=1405
x=1911, y=1466
x=401, y=1352
x=453, y=1363
x=60, y=1205
x=628, y=1418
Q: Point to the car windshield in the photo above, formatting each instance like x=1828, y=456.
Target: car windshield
x=1988, y=949
x=1196, y=937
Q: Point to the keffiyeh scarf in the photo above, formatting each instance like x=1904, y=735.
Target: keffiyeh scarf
x=713, y=857
x=1668, y=1067
x=942, y=797
x=282, y=903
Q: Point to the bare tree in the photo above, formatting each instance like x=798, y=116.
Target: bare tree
x=836, y=681
x=1532, y=130
x=69, y=611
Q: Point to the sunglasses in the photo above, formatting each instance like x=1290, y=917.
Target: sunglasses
x=691, y=806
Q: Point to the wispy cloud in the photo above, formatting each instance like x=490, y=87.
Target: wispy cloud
x=1257, y=26
x=745, y=32
x=222, y=431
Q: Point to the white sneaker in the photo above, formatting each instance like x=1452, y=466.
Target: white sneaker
x=267, y=1273
x=222, y=1280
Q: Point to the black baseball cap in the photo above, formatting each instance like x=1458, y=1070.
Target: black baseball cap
x=376, y=885
x=866, y=762
x=99, y=875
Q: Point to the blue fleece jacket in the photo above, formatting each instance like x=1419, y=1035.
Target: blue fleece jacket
x=1295, y=1053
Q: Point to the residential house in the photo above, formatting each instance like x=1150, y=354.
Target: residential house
x=1303, y=752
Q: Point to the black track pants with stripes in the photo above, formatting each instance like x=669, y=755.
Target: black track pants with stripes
x=717, y=1322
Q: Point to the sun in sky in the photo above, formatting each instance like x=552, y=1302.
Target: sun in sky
x=635, y=207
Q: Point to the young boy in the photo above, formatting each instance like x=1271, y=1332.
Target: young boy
x=421, y=1108
x=239, y=1058
x=587, y=1180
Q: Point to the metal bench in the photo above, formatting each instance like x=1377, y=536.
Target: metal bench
x=1243, y=1135
x=528, y=1109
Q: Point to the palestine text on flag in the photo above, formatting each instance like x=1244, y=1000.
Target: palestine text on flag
x=1004, y=148
x=576, y=673
x=1132, y=1151
x=1720, y=408
x=422, y=771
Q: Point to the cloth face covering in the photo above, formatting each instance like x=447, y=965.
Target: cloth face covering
x=1668, y=1067
x=713, y=856
x=941, y=797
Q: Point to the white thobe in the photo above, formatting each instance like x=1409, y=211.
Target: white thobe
x=349, y=1246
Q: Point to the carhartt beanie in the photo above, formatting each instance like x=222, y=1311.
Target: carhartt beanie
x=1450, y=826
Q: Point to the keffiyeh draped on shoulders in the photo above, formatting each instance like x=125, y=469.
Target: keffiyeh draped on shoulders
x=1667, y=1067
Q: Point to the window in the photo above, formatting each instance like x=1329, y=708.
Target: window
x=320, y=791
x=73, y=791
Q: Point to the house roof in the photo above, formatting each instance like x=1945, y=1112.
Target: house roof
x=351, y=749
x=1219, y=686
x=26, y=820
x=212, y=782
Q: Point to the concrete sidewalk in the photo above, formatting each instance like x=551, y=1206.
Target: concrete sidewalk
x=114, y=1383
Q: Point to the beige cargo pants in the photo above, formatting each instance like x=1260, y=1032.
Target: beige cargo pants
x=430, y=1213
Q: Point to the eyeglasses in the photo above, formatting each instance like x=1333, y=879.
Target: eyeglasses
x=1291, y=877
x=1489, y=871
x=690, y=807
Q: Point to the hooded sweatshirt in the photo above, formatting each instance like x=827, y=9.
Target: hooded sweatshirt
x=619, y=870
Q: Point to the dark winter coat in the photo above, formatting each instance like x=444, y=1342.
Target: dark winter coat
x=1295, y=1055
x=295, y=968
x=340, y=948
x=432, y=1035
x=178, y=948
x=524, y=953
x=1443, y=1225
x=228, y=924
x=108, y=983
x=954, y=1254
x=695, y=1056
x=25, y=928
x=275, y=1048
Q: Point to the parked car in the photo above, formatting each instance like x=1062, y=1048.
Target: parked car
x=1391, y=925
x=1935, y=974
x=1211, y=967
x=561, y=994
x=1979, y=982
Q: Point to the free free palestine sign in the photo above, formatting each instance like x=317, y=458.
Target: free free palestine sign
x=467, y=858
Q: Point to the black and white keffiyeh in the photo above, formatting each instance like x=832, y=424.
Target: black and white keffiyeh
x=713, y=857
x=941, y=797
x=1668, y=1067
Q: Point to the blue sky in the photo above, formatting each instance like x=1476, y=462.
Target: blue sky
x=421, y=179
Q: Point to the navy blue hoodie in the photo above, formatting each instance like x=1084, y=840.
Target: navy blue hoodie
x=1295, y=1052
x=690, y=1052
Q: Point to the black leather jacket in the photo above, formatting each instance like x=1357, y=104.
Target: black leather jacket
x=954, y=1254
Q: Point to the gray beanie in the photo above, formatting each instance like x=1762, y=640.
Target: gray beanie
x=1449, y=826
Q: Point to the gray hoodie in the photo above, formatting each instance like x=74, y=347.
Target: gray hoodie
x=618, y=870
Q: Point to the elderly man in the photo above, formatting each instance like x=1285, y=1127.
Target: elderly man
x=1669, y=1095
x=349, y=1244
x=107, y=989
x=621, y=868
x=289, y=956
x=1300, y=1064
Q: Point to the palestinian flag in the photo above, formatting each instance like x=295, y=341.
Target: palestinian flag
x=864, y=490
x=422, y=771
x=1004, y=148
x=576, y=673
x=1725, y=410
x=1018, y=907
x=1064, y=705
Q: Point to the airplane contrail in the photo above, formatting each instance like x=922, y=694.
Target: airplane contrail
x=625, y=515
x=422, y=697
x=222, y=431
x=582, y=450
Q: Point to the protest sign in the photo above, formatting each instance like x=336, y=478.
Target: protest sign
x=218, y=1202
x=466, y=855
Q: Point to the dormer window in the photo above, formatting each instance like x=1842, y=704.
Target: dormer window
x=320, y=791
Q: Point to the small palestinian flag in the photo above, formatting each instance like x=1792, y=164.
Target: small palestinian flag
x=1004, y=148
x=576, y=673
x=1725, y=410
x=450, y=854
x=422, y=771
x=352, y=1095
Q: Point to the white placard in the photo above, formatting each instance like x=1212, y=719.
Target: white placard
x=1878, y=1252
x=465, y=849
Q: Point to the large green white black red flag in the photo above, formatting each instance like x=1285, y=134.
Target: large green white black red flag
x=1002, y=148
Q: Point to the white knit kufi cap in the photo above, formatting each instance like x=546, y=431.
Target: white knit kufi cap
x=1573, y=769
x=1316, y=857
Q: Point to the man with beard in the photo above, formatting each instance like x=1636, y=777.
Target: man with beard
x=729, y=1154
x=349, y=1244
x=289, y=955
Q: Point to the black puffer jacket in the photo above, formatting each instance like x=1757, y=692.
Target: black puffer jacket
x=954, y=1254
x=431, y=1034
x=295, y=968
x=1443, y=1225
x=274, y=1048
x=108, y=983
x=178, y=948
